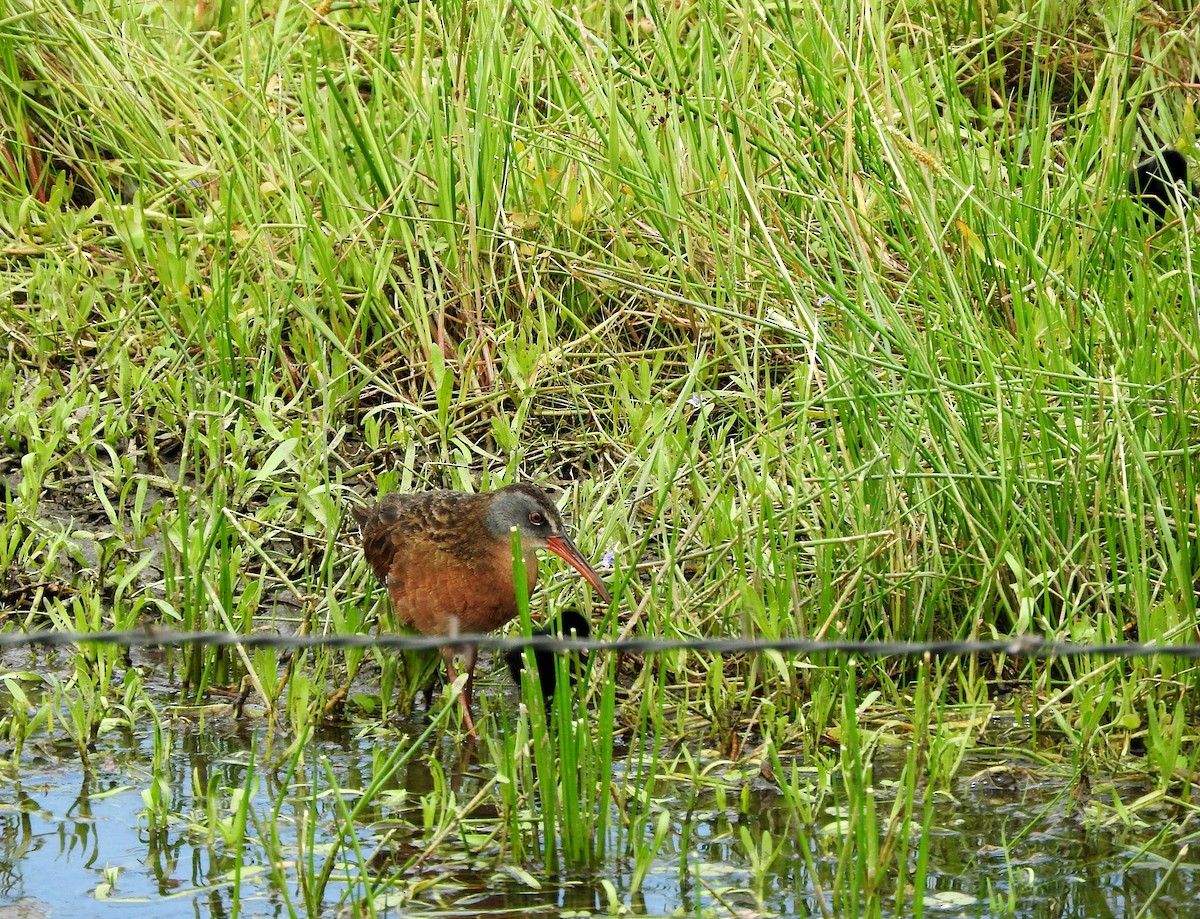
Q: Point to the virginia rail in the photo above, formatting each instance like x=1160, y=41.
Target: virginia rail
x=446, y=558
x=570, y=624
x=1159, y=180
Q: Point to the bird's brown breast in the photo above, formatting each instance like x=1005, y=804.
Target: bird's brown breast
x=443, y=571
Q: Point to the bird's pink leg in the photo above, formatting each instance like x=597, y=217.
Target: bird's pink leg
x=464, y=698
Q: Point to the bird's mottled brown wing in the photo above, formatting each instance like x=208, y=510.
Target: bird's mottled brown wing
x=445, y=521
x=439, y=565
x=385, y=527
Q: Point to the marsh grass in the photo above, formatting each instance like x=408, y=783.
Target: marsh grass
x=830, y=322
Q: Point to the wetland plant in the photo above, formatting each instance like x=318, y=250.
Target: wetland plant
x=875, y=372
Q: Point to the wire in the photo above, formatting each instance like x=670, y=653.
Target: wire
x=1017, y=646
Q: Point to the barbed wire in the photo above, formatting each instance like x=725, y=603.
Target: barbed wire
x=1017, y=646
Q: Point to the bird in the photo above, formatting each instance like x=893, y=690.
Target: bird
x=1159, y=180
x=446, y=560
x=570, y=624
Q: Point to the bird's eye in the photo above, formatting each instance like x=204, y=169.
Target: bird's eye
x=536, y=518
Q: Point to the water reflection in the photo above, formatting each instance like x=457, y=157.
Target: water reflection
x=1006, y=842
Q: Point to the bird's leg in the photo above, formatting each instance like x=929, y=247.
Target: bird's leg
x=464, y=697
x=469, y=655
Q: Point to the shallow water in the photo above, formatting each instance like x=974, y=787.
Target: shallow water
x=1004, y=842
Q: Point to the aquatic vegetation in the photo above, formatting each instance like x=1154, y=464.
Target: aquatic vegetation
x=815, y=322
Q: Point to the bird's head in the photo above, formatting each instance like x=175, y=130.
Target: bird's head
x=535, y=517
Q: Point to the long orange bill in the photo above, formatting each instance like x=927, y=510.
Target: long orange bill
x=565, y=549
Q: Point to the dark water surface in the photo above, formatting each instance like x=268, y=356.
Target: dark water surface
x=1003, y=842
